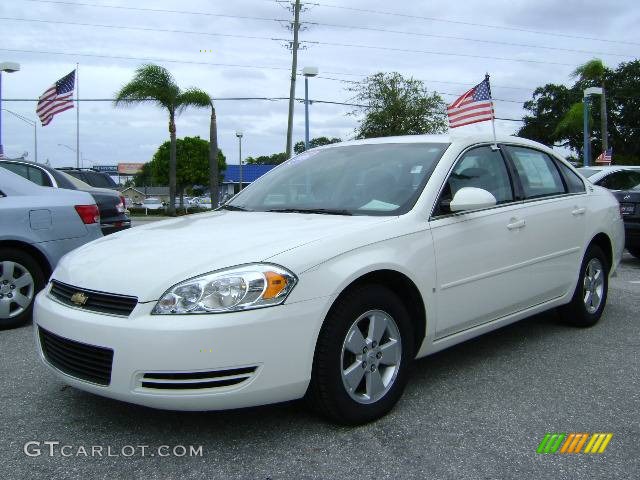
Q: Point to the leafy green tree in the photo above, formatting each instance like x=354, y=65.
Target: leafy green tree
x=144, y=177
x=315, y=142
x=395, y=105
x=153, y=83
x=274, y=159
x=549, y=104
x=192, y=155
x=555, y=113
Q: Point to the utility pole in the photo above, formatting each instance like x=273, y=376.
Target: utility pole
x=294, y=69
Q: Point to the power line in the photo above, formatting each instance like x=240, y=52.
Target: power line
x=468, y=84
x=158, y=10
x=142, y=29
x=148, y=59
x=432, y=52
x=474, y=24
x=452, y=37
x=253, y=37
x=219, y=99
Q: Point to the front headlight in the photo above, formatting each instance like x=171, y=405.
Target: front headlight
x=239, y=288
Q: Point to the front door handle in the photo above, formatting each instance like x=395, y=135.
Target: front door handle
x=515, y=224
x=578, y=211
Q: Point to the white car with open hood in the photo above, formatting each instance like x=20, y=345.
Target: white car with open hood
x=329, y=275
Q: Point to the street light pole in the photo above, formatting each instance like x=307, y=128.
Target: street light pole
x=239, y=135
x=8, y=67
x=307, y=72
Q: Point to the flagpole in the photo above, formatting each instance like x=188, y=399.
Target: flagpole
x=493, y=115
x=77, y=116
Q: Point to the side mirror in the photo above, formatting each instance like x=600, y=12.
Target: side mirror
x=471, y=198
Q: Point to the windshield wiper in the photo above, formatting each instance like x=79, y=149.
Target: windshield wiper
x=234, y=208
x=323, y=211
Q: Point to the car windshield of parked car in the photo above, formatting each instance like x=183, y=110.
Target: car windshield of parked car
x=76, y=182
x=588, y=172
x=372, y=179
x=152, y=201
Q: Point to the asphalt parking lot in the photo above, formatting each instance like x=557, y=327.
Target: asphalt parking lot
x=477, y=410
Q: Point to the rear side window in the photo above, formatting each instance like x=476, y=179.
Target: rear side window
x=17, y=168
x=574, y=184
x=537, y=172
x=38, y=177
x=624, y=180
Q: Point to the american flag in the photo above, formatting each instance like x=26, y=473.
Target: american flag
x=605, y=157
x=57, y=98
x=474, y=106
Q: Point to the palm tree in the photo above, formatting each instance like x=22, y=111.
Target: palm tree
x=156, y=84
x=200, y=98
x=595, y=71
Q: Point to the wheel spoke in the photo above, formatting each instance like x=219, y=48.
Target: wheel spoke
x=587, y=298
x=355, y=341
x=595, y=298
x=390, y=353
x=353, y=375
x=7, y=270
x=374, y=384
x=377, y=327
x=21, y=300
x=24, y=280
x=4, y=308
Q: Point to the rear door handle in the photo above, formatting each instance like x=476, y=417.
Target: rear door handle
x=578, y=211
x=515, y=224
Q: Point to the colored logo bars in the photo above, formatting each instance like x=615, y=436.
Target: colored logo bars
x=574, y=443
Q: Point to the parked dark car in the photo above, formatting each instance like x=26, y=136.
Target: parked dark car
x=110, y=203
x=91, y=177
x=624, y=183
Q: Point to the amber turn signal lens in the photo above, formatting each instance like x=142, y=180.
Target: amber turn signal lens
x=275, y=284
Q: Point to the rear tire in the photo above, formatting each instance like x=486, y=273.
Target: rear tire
x=635, y=252
x=590, y=296
x=21, y=278
x=362, y=356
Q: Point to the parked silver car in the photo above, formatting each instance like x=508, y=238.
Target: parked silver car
x=38, y=225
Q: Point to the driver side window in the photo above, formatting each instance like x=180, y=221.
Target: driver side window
x=480, y=167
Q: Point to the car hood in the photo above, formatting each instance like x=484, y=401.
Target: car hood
x=145, y=261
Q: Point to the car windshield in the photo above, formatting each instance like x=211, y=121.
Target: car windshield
x=588, y=172
x=76, y=182
x=152, y=201
x=372, y=179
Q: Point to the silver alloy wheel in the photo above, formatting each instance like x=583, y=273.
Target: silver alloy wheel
x=371, y=356
x=593, y=285
x=16, y=289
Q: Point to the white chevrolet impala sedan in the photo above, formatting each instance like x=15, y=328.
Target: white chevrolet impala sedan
x=329, y=275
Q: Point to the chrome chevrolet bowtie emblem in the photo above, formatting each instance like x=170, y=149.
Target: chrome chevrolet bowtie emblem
x=79, y=298
x=627, y=197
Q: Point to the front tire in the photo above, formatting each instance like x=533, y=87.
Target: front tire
x=590, y=296
x=362, y=357
x=21, y=278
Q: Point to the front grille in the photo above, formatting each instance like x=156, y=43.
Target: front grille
x=92, y=300
x=80, y=360
x=197, y=380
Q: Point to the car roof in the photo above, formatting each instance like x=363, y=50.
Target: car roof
x=454, y=139
x=603, y=168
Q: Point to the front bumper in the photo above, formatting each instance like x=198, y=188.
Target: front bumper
x=632, y=234
x=279, y=341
